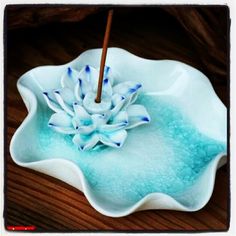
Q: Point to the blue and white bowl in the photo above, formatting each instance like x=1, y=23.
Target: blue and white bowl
x=164, y=164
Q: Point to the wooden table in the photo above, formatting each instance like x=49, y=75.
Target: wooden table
x=36, y=199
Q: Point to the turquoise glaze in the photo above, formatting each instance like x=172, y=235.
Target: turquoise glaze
x=162, y=165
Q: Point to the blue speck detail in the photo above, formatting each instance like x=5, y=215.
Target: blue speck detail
x=133, y=90
x=69, y=71
x=145, y=119
x=80, y=82
x=118, y=144
x=122, y=97
x=75, y=103
x=105, y=81
x=107, y=70
x=46, y=94
x=87, y=69
x=51, y=124
x=56, y=91
x=124, y=123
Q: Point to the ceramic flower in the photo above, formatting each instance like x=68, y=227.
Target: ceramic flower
x=91, y=123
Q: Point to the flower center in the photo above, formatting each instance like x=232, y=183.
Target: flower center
x=96, y=108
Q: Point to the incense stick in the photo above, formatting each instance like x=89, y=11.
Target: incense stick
x=103, y=58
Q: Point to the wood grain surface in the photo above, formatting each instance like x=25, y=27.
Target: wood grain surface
x=21, y=16
x=32, y=198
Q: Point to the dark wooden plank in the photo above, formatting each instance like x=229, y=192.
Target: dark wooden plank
x=23, y=16
x=49, y=204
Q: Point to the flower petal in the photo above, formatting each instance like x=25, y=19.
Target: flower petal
x=113, y=139
x=124, y=94
x=86, y=129
x=106, y=88
x=82, y=129
x=107, y=85
x=116, y=99
x=81, y=112
x=121, y=117
x=118, y=122
x=118, y=102
x=117, y=108
x=133, y=98
x=88, y=78
x=69, y=78
x=108, y=74
x=137, y=115
x=77, y=92
x=65, y=97
x=85, y=142
x=61, y=122
x=99, y=119
x=82, y=121
x=127, y=89
x=107, y=82
x=51, y=101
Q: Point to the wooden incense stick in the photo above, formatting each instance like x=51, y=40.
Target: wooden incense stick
x=103, y=58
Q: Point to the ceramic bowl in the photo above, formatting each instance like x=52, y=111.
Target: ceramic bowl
x=163, y=165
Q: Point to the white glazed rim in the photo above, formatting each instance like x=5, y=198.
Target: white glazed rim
x=150, y=201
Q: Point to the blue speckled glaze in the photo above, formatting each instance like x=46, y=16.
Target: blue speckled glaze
x=69, y=71
x=174, y=155
x=87, y=69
